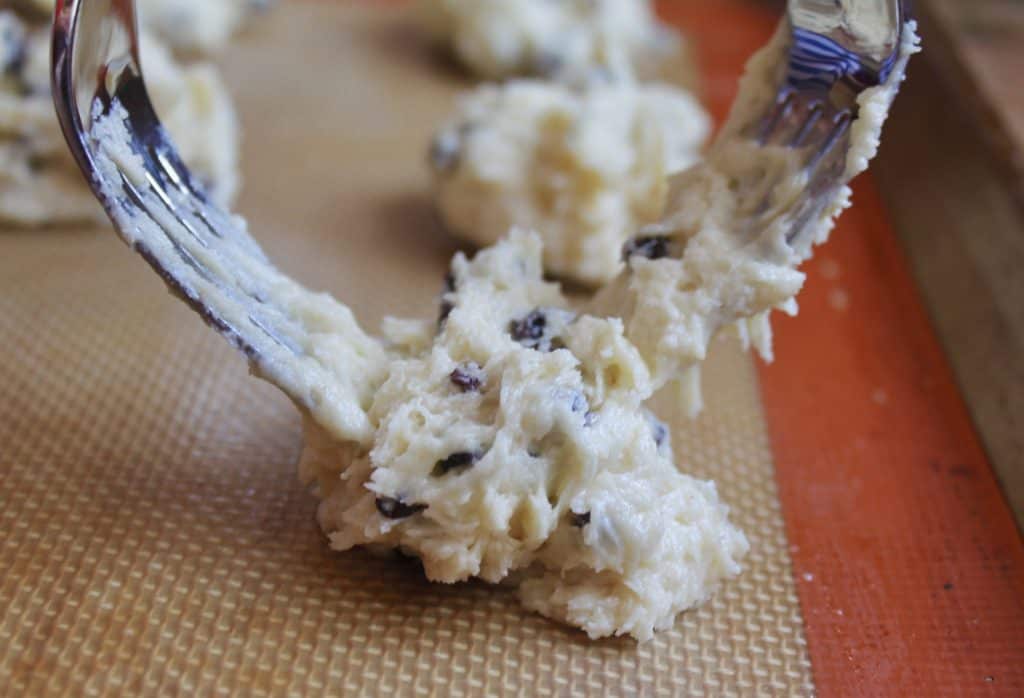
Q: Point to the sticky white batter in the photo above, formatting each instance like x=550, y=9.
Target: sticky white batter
x=39, y=182
x=507, y=439
x=713, y=269
x=571, y=40
x=517, y=442
x=585, y=168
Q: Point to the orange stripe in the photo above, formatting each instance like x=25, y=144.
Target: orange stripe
x=909, y=565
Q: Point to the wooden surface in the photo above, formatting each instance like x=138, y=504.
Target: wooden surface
x=950, y=173
x=963, y=232
x=979, y=47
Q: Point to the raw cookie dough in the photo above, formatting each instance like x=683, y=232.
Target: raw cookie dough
x=586, y=169
x=567, y=39
x=39, y=182
x=703, y=267
x=516, y=442
x=507, y=439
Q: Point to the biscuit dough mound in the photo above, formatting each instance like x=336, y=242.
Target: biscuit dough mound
x=505, y=439
x=40, y=183
x=584, y=168
x=571, y=40
x=514, y=441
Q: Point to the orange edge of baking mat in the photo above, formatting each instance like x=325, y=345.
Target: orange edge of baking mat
x=908, y=562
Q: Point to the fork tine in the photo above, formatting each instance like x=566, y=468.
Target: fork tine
x=816, y=112
x=198, y=249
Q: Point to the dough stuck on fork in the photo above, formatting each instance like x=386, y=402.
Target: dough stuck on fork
x=507, y=438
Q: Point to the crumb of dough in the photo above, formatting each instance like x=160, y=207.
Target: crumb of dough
x=39, y=181
x=570, y=40
x=585, y=168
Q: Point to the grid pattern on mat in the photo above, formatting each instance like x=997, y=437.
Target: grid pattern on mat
x=153, y=536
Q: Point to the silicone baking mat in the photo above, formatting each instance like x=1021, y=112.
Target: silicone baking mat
x=154, y=539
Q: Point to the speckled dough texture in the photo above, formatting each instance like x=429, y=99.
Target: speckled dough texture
x=586, y=168
x=190, y=559
x=507, y=440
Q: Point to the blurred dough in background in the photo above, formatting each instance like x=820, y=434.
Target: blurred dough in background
x=586, y=169
x=570, y=40
x=39, y=181
x=200, y=26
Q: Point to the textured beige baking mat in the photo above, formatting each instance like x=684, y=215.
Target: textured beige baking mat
x=154, y=538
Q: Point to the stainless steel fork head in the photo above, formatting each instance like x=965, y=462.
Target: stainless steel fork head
x=202, y=252
x=837, y=50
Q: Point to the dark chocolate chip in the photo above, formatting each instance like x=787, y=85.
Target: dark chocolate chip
x=469, y=377
x=529, y=330
x=446, y=309
x=449, y=282
x=649, y=246
x=659, y=431
x=392, y=508
x=456, y=461
x=579, y=520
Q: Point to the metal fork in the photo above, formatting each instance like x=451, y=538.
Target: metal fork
x=203, y=253
x=206, y=256
x=837, y=49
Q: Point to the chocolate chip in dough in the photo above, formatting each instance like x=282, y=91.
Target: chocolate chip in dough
x=579, y=520
x=468, y=377
x=660, y=432
x=392, y=508
x=529, y=330
x=456, y=461
x=649, y=246
x=446, y=305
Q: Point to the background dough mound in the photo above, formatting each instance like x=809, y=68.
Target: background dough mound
x=568, y=39
x=40, y=183
x=586, y=169
x=510, y=439
x=200, y=26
